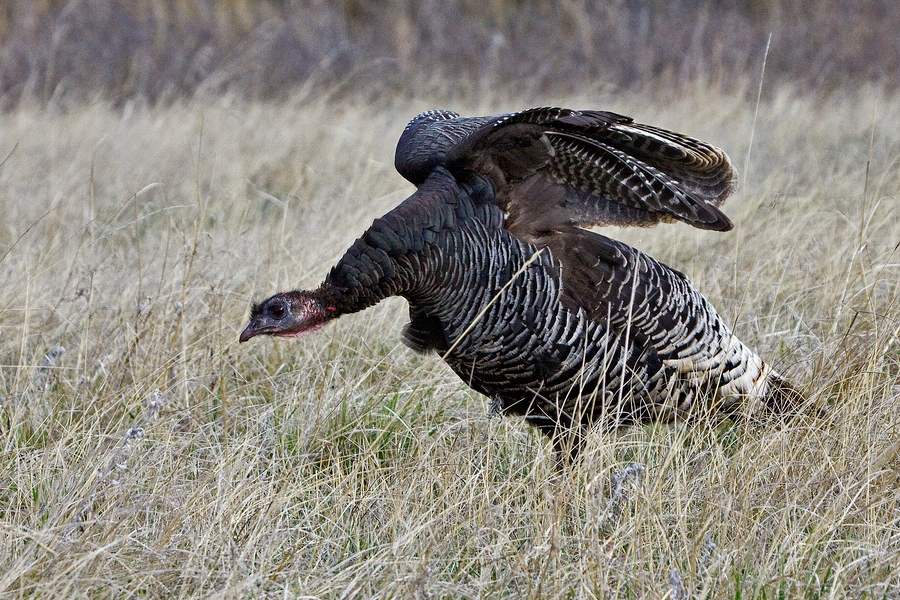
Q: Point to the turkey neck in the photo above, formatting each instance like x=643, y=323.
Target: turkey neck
x=394, y=256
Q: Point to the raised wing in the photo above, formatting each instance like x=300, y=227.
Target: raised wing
x=427, y=138
x=577, y=167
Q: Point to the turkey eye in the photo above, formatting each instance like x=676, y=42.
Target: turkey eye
x=278, y=311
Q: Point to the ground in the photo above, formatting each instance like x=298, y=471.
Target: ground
x=157, y=457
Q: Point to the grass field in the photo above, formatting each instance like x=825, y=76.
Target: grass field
x=155, y=457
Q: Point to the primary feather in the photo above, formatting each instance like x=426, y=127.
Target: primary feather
x=556, y=323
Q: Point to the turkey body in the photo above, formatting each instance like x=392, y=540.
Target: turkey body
x=509, y=317
x=554, y=322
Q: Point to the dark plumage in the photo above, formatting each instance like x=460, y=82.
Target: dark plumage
x=554, y=322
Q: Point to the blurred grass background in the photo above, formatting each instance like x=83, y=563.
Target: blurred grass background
x=153, y=51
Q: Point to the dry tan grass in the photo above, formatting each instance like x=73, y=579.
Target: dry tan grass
x=341, y=465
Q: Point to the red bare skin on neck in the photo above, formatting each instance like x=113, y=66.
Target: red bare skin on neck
x=311, y=313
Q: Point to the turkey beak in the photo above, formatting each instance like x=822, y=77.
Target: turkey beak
x=252, y=330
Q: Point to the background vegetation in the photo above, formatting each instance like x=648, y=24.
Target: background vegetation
x=145, y=453
x=61, y=51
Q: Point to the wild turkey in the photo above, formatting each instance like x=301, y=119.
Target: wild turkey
x=553, y=322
